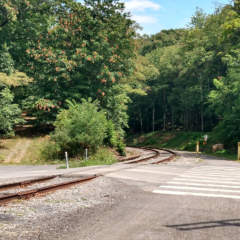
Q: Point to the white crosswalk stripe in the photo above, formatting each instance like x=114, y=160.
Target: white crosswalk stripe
x=205, y=181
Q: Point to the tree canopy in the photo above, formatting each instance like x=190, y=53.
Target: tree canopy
x=178, y=79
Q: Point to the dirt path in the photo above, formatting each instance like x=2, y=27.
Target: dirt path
x=17, y=153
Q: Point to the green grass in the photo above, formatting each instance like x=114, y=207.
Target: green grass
x=173, y=140
x=180, y=141
x=104, y=156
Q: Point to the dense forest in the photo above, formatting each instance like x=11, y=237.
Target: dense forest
x=191, y=77
x=83, y=70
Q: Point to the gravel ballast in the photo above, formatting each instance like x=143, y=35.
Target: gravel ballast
x=48, y=216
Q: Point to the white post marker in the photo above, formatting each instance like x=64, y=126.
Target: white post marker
x=205, y=137
x=197, y=147
x=66, y=156
x=86, y=154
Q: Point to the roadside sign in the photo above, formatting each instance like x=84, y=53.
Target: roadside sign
x=205, y=137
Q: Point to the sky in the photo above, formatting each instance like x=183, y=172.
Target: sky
x=156, y=15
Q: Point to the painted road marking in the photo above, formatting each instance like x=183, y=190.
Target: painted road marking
x=201, y=189
x=205, y=181
x=210, y=178
x=204, y=185
x=196, y=194
x=150, y=171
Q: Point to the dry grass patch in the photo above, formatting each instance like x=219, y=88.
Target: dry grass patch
x=22, y=150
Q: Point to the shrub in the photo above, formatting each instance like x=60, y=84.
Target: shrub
x=114, y=138
x=51, y=151
x=112, y=135
x=80, y=126
x=121, y=148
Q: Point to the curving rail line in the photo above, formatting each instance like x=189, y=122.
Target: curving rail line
x=167, y=159
x=157, y=152
x=144, y=159
x=6, y=197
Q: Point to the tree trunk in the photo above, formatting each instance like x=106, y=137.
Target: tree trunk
x=202, y=117
x=164, y=110
x=141, y=121
x=153, y=118
x=164, y=121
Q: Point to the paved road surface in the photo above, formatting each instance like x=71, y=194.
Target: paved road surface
x=192, y=198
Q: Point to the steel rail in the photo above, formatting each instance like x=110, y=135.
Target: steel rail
x=170, y=158
x=24, y=183
x=156, y=154
x=42, y=190
x=130, y=158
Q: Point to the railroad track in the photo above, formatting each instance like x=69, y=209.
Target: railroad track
x=156, y=153
x=38, y=186
x=44, y=185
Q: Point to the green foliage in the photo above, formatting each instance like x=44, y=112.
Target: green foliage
x=9, y=113
x=51, y=51
x=177, y=96
x=68, y=50
x=173, y=140
x=71, y=49
x=164, y=38
x=83, y=52
x=80, y=126
x=112, y=137
x=121, y=148
x=6, y=61
x=51, y=151
x=116, y=105
x=199, y=19
x=226, y=101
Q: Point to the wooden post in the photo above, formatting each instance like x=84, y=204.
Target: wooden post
x=197, y=147
x=238, y=150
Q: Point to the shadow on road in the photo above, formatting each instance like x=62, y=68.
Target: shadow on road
x=204, y=225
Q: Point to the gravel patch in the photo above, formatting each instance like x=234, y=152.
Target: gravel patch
x=32, y=219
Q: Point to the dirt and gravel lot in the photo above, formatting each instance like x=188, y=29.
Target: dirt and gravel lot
x=50, y=216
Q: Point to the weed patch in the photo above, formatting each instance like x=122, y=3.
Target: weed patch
x=103, y=156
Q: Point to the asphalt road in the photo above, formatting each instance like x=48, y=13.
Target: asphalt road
x=194, y=197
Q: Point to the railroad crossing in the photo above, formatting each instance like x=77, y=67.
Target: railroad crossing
x=190, y=197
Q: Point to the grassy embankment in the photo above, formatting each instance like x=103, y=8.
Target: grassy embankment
x=181, y=141
x=22, y=150
x=28, y=150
